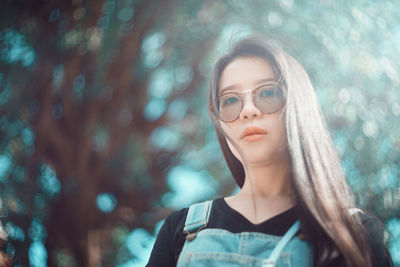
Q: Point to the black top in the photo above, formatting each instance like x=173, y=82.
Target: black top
x=171, y=239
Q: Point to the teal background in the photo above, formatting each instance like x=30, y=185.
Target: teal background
x=103, y=121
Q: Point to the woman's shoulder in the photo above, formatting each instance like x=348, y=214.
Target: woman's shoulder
x=372, y=226
x=375, y=235
x=371, y=223
x=178, y=214
x=176, y=219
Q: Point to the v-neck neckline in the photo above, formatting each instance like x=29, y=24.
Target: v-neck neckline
x=237, y=214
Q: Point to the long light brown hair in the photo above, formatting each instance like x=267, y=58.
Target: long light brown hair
x=323, y=197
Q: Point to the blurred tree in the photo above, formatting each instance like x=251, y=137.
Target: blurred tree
x=100, y=111
x=79, y=98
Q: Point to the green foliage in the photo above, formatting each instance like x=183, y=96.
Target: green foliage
x=109, y=97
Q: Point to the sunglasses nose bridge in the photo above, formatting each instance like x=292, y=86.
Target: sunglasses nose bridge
x=249, y=108
x=246, y=96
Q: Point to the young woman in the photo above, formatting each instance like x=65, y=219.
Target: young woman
x=294, y=207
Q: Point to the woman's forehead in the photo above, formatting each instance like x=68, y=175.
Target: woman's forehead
x=245, y=72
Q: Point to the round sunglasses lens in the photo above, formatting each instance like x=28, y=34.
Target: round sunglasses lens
x=229, y=107
x=269, y=99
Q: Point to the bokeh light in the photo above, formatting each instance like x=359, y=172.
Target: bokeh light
x=104, y=127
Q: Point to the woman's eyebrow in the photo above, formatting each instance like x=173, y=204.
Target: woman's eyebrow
x=266, y=80
x=230, y=87
x=227, y=88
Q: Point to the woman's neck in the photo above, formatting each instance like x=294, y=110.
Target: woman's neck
x=267, y=191
x=268, y=180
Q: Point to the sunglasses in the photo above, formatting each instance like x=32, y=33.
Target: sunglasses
x=267, y=98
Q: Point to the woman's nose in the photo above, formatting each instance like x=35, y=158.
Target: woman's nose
x=249, y=110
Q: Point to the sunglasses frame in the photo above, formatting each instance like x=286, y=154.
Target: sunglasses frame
x=241, y=97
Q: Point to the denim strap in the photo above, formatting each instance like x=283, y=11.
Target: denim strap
x=283, y=242
x=197, y=218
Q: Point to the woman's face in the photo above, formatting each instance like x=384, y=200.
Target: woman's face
x=269, y=145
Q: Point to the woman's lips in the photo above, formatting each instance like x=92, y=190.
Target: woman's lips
x=253, y=134
x=253, y=137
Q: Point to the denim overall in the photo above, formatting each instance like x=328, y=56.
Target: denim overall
x=220, y=248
